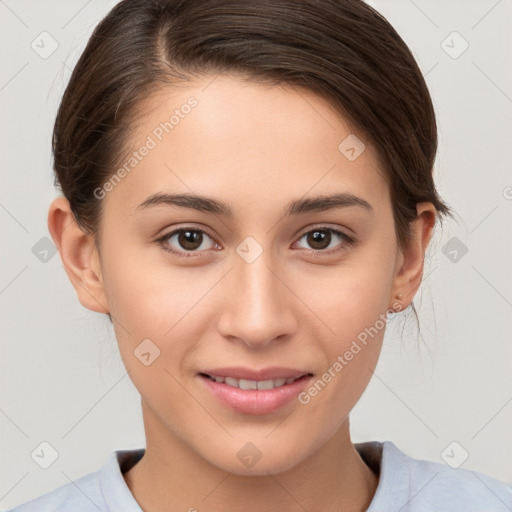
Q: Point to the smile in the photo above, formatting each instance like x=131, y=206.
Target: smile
x=253, y=384
x=255, y=392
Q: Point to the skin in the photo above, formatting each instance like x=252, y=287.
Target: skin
x=286, y=308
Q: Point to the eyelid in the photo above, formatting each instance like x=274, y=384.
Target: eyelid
x=326, y=227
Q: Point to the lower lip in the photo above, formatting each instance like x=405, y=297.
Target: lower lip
x=255, y=401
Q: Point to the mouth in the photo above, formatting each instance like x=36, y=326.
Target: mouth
x=254, y=391
x=254, y=384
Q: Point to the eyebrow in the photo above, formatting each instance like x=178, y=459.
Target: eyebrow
x=298, y=206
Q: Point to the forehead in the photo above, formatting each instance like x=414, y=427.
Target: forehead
x=239, y=139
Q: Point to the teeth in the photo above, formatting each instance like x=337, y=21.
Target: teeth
x=266, y=384
x=247, y=384
x=253, y=384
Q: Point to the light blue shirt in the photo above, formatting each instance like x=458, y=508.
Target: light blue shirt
x=405, y=485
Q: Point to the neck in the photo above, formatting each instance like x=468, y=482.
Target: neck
x=171, y=477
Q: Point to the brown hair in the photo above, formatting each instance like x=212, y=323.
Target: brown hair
x=343, y=50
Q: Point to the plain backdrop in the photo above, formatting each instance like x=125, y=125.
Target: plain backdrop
x=447, y=390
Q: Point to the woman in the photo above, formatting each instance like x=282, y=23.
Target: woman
x=248, y=193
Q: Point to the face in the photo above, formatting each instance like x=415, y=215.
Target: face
x=263, y=283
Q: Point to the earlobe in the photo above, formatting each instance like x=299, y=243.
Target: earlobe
x=79, y=256
x=409, y=271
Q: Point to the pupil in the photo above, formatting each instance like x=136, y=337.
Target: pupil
x=190, y=239
x=321, y=237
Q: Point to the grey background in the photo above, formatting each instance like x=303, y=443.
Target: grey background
x=62, y=380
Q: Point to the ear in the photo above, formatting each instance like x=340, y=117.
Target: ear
x=79, y=256
x=410, y=260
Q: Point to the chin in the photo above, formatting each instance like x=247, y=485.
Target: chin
x=249, y=460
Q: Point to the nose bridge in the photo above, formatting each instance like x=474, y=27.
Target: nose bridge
x=258, y=308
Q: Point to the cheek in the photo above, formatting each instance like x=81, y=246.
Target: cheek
x=351, y=301
x=356, y=316
x=150, y=297
x=351, y=297
x=168, y=306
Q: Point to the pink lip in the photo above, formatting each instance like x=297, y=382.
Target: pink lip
x=255, y=401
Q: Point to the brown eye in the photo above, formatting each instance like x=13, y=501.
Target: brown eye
x=187, y=240
x=321, y=239
x=190, y=240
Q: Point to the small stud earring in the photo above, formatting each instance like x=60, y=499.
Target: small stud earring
x=400, y=296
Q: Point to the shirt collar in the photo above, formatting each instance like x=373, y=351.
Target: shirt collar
x=115, y=492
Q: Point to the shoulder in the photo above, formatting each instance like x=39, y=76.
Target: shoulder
x=422, y=485
x=81, y=495
x=104, y=489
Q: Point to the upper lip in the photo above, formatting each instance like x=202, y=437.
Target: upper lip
x=271, y=372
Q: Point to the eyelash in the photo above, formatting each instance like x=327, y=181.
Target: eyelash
x=347, y=241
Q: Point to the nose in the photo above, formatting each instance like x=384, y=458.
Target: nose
x=258, y=306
